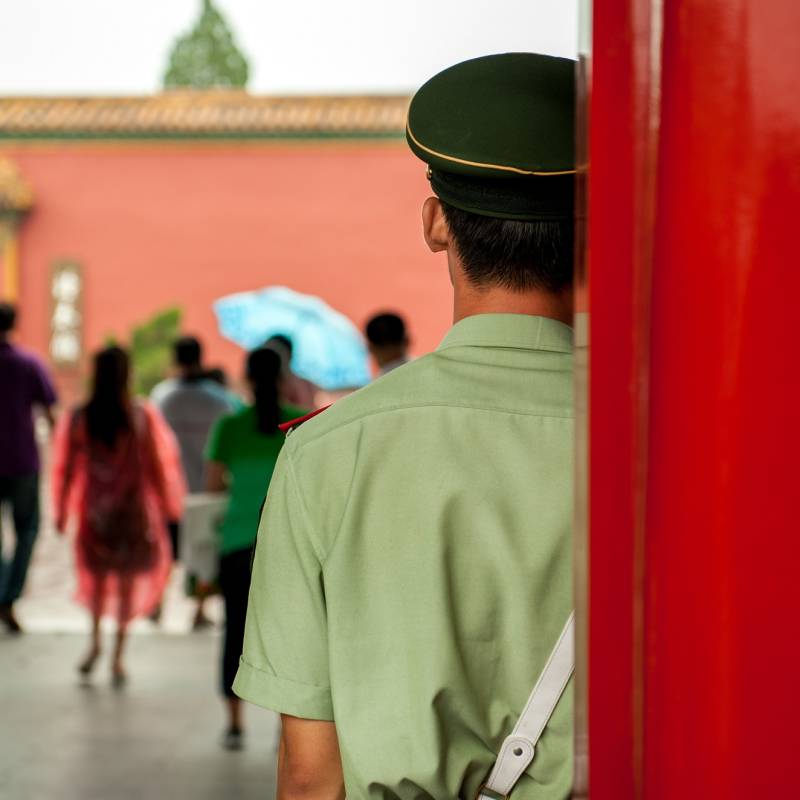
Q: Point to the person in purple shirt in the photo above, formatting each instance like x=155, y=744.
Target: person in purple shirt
x=24, y=384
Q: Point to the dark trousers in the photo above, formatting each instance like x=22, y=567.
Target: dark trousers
x=234, y=583
x=22, y=494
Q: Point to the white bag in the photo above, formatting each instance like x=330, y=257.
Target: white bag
x=199, y=546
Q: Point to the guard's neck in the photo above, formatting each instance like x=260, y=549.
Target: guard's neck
x=469, y=301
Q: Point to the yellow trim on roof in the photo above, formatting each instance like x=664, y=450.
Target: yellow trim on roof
x=467, y=163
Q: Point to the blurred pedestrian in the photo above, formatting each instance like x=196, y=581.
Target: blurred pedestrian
x=242, y=451
x=295, y=391
x=117, y=475
x=191, y=402
x=387, y=341
x=218, y=375
x=25, y=386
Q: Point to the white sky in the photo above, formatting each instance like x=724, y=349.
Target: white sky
x=294, y=46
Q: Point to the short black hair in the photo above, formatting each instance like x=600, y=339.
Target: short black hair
x=386, y=328
x=188, y=351
x=283, y=339
x=216, y=374
x=8, y=317
x=513, y=254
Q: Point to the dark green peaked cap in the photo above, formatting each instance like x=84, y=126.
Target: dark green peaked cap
x=498, y=134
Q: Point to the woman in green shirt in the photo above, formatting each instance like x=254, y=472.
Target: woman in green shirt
x=242, y=450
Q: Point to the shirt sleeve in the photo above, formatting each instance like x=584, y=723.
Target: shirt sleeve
x=44, y=391
x=217, y=446
x=284, y=666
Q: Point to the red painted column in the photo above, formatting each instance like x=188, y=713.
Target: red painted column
x=723, y=532
x=694, y=428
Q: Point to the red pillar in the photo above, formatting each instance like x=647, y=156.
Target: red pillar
x=695, y=429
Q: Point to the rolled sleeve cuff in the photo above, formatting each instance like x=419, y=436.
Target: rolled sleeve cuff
x=282, y=695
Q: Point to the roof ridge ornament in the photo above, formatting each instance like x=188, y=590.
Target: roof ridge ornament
x=207, y=57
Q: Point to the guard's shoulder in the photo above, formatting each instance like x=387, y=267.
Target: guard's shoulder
x=401, y=388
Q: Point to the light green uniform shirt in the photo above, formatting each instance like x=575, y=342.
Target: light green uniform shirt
x=413, y=566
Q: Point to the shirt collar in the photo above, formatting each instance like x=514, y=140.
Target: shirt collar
x=521, y=331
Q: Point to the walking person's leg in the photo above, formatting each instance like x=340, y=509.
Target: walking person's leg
x=95, y=645
x=23, y=494
x=118, y=674
x=173, y=528
x=234, y=579
x=200, y=591
x=5, y=490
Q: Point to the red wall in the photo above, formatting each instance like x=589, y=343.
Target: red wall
x=160, y=224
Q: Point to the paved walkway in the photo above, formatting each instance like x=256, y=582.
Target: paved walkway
x=156, y=738
x=159, y=737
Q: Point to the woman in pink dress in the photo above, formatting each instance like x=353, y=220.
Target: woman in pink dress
x=117, y=477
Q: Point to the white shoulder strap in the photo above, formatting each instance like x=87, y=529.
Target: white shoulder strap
x=519, y=748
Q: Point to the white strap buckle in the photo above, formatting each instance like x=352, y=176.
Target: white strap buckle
x=519, y=748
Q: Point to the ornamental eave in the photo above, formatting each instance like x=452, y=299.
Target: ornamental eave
x=204, y=114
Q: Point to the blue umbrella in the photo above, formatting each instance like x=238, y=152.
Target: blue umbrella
x=328, y=349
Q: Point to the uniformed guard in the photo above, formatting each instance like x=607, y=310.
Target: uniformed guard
x=412, y=580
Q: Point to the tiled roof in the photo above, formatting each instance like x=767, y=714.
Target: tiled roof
x=212, y=114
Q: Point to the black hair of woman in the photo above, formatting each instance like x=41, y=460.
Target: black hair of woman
x=108, y=411
x=264, y=374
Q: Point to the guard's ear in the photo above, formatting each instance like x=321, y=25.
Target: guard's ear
x=434, y=225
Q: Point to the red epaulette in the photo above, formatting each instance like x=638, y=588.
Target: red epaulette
x=292, y=424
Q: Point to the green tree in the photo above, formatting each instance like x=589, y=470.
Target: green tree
x=207, y=57
x=151, y=348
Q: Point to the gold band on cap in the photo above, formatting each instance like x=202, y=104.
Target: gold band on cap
x=464, y=161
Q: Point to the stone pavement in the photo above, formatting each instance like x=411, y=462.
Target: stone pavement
x=159, y=737
x=156, y=738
